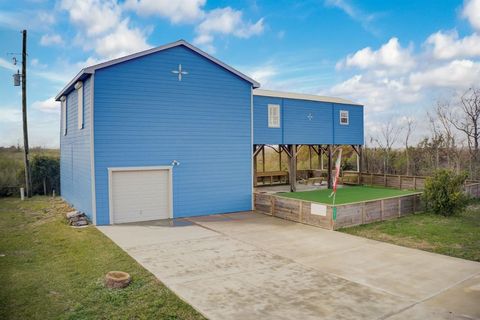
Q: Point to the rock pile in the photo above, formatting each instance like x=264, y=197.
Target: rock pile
x=77, y=219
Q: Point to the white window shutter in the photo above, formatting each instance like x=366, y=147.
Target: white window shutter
x=274, y=116
x=63, y=100
x=79, y=87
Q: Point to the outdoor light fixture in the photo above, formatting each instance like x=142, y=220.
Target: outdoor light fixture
x=175, y=163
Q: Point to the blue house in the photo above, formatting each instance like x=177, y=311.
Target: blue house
x=169, y=132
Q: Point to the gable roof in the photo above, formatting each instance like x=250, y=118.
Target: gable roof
x=301, y=96
x=84, y=73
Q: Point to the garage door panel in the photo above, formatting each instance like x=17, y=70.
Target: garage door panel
x=140, y=195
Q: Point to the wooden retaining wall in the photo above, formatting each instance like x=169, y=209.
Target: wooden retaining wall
x=347, y=215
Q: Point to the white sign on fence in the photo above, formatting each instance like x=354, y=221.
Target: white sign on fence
x=318, y=209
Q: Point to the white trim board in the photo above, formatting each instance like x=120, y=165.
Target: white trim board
x=92, y=151
x=302, y=96
x=146, y=168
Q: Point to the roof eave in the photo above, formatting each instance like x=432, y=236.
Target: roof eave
x=80, y=76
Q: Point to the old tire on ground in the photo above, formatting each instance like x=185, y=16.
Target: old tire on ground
x=117, y=279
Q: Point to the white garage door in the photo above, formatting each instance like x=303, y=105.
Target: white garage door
x=138, y=194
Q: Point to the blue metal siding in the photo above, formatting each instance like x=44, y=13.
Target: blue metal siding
x=297, y=128
x=262, y=134
x=144, y=116
x=75, y=168
x=300, y=129
x=353, y=132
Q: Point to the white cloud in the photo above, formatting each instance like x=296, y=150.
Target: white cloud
x=471, y=11
x=10, y=114
x=49, y=105
x=187, y=11
x=264, y=75
x=121, y=41
x=93, y=16
x=378, y=94
x=7, y=65
x=390, y=56
x=102, y=28
x=51, y=39
x=455, y=74
x=447, y=45
x=354, y=13
x=225, y=21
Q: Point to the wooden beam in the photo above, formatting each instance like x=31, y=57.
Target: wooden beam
x=287, y=150
x=257, y=149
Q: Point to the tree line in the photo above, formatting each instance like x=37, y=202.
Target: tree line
x=452, y=143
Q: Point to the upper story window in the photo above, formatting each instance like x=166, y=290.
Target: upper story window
x=63, y=100
x=344, y=117
x=79, y=88
x=274, y=116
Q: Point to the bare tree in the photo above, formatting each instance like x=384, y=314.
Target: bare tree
x=389, y=134
x=467, y=122
x=410, y=126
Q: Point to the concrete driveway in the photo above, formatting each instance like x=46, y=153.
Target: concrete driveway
x=252, y=266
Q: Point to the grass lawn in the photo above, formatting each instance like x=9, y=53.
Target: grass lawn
x=347, y=194
x=49, y=270
x=457, y=236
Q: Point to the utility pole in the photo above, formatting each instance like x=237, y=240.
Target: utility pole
x=28, y=182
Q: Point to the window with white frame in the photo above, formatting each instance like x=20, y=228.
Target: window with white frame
x=344, y=117
x=79, y=88
x=274, y=116
x=63, y=100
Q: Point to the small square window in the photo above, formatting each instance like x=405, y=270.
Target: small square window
x=274, y=116
x=343, y=117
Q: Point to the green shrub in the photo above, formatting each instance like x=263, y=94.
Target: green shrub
x=444, y=194
x=45, y=174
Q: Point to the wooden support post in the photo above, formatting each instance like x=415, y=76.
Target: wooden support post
x=310, y=156
x=292, y=169
x=320, y=156
x=360, y=164
x=263, y=159
x=279, y=158
x=254, y=166
x=329, y=168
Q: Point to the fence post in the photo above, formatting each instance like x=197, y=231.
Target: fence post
x=22, y=194
x=399, y=207
x=381, y=211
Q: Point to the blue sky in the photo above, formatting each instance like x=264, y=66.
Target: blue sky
x=397, y=57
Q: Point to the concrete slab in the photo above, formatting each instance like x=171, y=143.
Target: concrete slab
x=252, y=266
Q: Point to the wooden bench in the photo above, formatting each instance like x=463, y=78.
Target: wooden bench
x=272, y=176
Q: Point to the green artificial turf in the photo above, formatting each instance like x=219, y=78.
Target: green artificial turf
x=347, y=194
